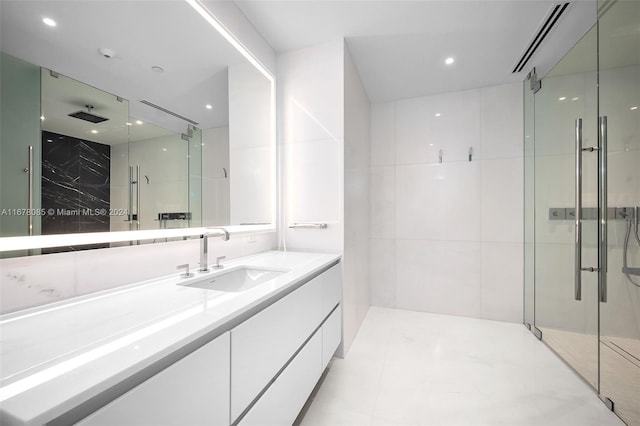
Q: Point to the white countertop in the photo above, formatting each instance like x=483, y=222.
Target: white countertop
x=57, y=356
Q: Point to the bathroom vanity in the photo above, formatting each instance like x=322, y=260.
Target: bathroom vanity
x=245, y=345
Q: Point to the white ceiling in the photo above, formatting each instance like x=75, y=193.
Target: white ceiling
x=399, y=47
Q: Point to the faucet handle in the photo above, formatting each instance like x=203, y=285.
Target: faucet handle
x=186, y=273
x=218, y=259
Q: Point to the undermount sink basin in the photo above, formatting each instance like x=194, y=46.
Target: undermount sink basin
x=236, y=280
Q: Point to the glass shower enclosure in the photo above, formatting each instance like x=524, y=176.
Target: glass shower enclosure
x=582, y=198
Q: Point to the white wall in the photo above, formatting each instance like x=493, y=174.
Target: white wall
x=215, y=183
x=323, y=119
x=357, y=143
x=311, y=135
x=447, y=238
x=251, y=149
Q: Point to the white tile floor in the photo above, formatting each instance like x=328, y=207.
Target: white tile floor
x=411, y=368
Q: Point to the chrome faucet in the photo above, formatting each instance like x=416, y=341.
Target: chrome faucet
x=204, y=247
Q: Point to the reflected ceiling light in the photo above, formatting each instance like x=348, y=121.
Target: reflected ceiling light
x=449, y=61
x=574, y=99
x=438, y=114
x=42, y=117
x=430, y=144
x=94, y=131
x=208, y=106
x=49, y=140
x=128, y=124
x=562, y=98
x=164, y=149
x=633, y=108
x=138, y=122
x=49, y=22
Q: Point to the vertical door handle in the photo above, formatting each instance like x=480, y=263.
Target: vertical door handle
x=602, y=163
x=137, y=197
x=30, y=192
x=578, y=210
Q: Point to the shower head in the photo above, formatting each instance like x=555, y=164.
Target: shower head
x=88, y=116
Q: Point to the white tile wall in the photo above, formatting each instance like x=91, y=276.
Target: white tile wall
x=324, y=131
x=383, y=134
x=383, y=202
x=438, y=276
x=447, y=238
x=311, y=134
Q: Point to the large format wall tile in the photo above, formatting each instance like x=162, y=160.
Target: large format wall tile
x=438, y=201
x=449, y=122
x=501, y=199
x=448, y=225
x=501, y=278
x=383, y=202
x=438, y=276
x=383, y=134
x=501, y=121
x=382, y=272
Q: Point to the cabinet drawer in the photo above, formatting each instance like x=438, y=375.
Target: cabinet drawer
x=264, y=343
x=332, y=290
x=192, y=391
x=284, y=399
x=331, y=336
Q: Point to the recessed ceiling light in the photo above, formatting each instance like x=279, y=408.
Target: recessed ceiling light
x=156, y=68
x=49, y=22
x=94, y=131
x=449, y=61
x=574, y=99
x=164, y=149
x=562, y=98
x=42, y=117
x=208, y=106
x=438, y=114
x=138, y=122
x=633, y=108
x=128, y=124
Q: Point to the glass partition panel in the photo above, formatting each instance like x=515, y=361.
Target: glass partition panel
x=619, y=71
x=566, y=311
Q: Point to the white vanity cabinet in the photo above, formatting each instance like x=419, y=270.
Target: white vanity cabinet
x=265, y=343
x=192, y=391
x=261, y=372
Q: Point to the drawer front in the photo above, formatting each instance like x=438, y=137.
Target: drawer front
x=282, y=402
x=332, y=290
x=264, y=343
x=193, y=391
x=331, y=336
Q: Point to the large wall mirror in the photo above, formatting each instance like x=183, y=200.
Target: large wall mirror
x=129, y=115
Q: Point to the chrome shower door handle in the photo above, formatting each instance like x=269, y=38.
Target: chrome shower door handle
x=578, y=211
x=30, y=195
x=138, y=197
x=602, y=163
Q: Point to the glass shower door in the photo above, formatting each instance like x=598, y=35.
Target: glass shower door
x=619, y=73
x=565, y=178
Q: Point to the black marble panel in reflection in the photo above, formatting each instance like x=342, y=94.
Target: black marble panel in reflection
x=75, y=187
x=95, y=163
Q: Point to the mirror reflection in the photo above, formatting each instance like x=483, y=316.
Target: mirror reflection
x=117, y=119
